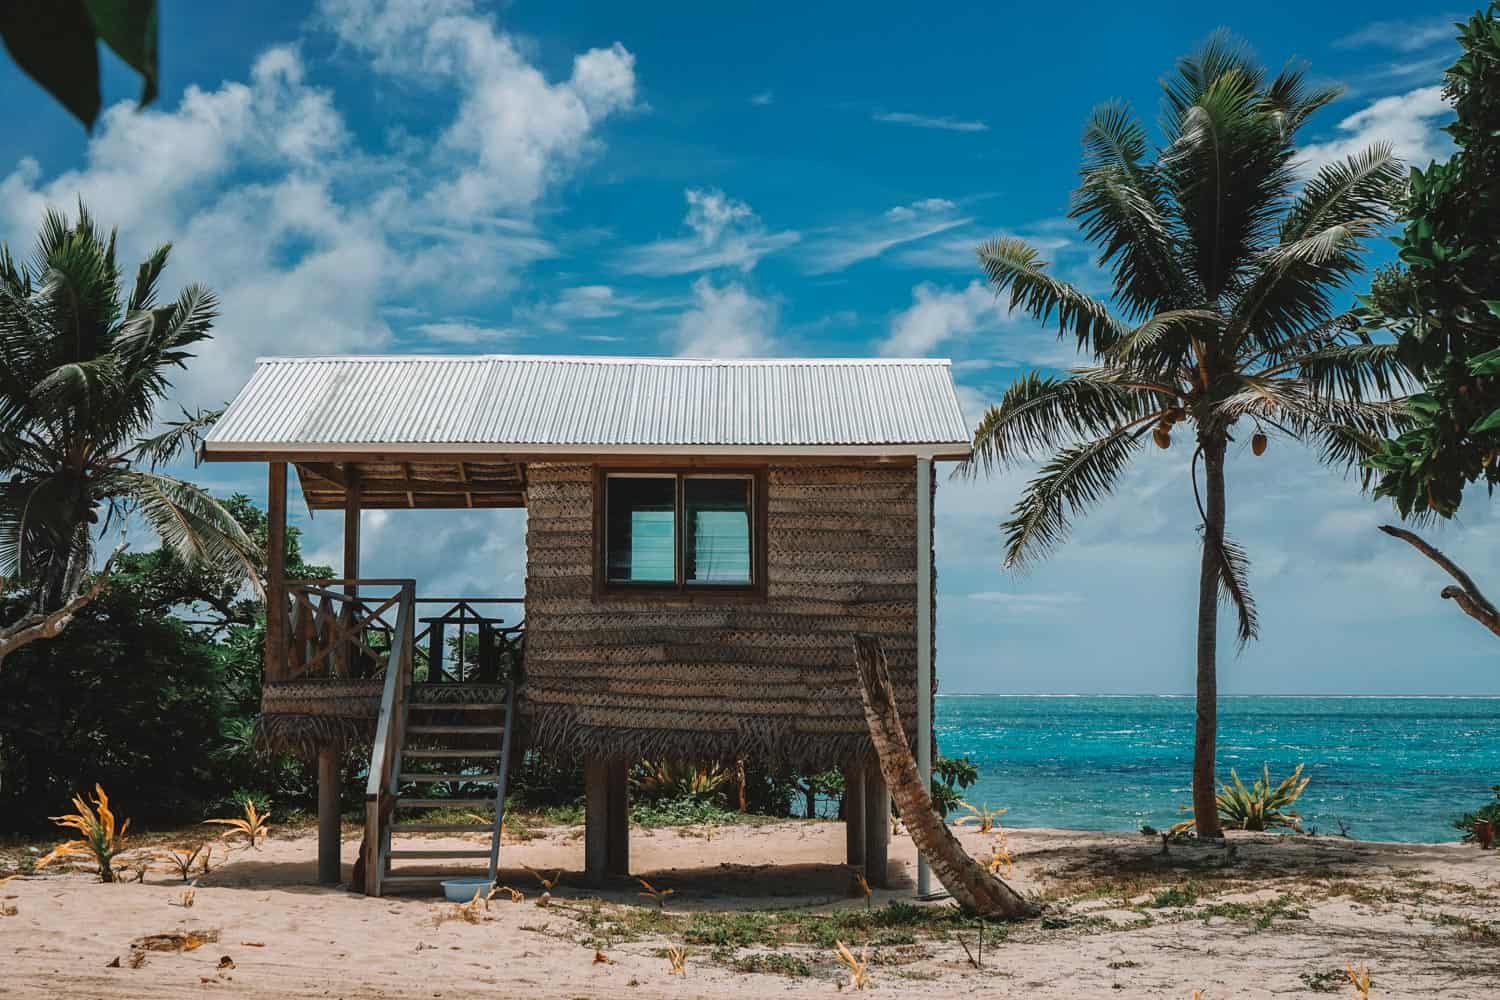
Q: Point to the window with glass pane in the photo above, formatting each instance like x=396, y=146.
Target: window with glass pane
x=641, y=529
x=716, y=520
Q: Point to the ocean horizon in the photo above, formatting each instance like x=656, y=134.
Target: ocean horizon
x=1388, y=768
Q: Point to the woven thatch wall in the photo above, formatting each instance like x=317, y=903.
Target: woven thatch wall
x=773, y=678
x=308, y=715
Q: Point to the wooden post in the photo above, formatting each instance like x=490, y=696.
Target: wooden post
x=329, y=860
x=877, y=828
x=854, y=815
x=351, y=531
x=276, y=638
x=617, y=837
x=924, y=647
x=595, y=820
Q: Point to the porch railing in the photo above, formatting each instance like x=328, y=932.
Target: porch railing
x=346, y=629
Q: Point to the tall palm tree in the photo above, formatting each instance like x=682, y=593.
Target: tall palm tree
x=1225, y=258
x=83, y=366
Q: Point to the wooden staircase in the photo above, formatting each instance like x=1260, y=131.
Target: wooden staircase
x=457, y=740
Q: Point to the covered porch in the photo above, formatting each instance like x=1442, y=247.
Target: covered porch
x=357, y=661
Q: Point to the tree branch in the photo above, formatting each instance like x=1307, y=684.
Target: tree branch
x=1467, y=594
x=39, y=626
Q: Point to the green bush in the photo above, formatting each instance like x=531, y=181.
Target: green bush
x=1487, y=813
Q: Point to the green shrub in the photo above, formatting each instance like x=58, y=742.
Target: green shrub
x=1487, y=813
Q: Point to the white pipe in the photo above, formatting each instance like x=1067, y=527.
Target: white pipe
x=924, y=647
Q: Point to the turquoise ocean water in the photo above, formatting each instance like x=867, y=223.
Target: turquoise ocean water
x=1390, y=768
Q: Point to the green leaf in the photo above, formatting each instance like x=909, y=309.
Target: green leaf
x=54, y=42
x=129, y=28
x=57, y=43
x=1489, y=423
x=1494, y=306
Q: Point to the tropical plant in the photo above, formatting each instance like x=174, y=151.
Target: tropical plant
x=102, y=841
x=983, y=817
x=84, y=360
x=252, y=825
x=676, y=780
x=1472, y=824
x=1443, y=304
x=57, y=43
x=1262, y=806
x=1226, y=253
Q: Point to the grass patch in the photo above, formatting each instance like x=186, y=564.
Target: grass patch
x=776, y=963
x=1327, y=981
x=1182, y=895
x=1260, y=915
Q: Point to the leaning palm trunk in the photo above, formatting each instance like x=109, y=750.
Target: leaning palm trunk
x=972, y=887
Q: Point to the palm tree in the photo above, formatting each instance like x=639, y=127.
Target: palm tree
x=1226, y=257
x=82, y=368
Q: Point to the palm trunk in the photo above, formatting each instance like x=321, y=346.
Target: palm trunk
x=972, y=887
x=1205, y=736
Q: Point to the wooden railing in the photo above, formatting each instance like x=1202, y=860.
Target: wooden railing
x=337, y=633
x=381, y=786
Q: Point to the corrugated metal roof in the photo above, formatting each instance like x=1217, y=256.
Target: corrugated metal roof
x=607, y=404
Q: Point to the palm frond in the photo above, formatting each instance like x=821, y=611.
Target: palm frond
x=1362, y=186
x=1233, y=567
x=1014, y=266
x=1074, y=480
x=1121, y=205
x=187, y=432
x=1040, y=412
x=190, y=523
x=1147, y=339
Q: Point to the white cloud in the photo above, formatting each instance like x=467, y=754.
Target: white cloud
x=938, y=315
x=1401, y=36
x=515, y=132
x=587, y=303
x=726, y=321
x=1409, y=122
x=726, y=233
x=956, y=250
x=943, y=122
x=844, y=246
x=306, y=236
x=465, y=333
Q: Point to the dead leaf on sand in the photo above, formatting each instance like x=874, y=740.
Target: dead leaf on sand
x=252, y=944
x=225, y=962
x=115, y=964
x=187, y=940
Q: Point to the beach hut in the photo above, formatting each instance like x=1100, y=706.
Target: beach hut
x=703, y=540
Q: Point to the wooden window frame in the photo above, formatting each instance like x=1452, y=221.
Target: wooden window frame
x=682, y=590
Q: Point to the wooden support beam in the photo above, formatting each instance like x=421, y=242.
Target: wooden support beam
x=276, y=619
x=617, y=842
x=854, y=815
x=877, y=828
x=352, y=492
x=924, y=649
x=595, y=820
x=329, y=854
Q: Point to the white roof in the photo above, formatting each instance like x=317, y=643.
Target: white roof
x=541, y=404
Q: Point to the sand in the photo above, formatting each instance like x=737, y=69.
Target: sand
x=1271, y=917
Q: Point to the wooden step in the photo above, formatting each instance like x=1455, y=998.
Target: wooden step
x=434, y=778
x=402, y=881
x=443, y=828
x=455, y=730
x=414, y=855
x=438, y=706
x=486, y=752
x=405, y=803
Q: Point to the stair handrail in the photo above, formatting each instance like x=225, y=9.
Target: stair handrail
x=502, y=773
x=381, y=785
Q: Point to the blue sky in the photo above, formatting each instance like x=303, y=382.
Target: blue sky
x=361, y=176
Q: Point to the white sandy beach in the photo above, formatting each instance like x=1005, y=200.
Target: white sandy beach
x=1276, y=917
